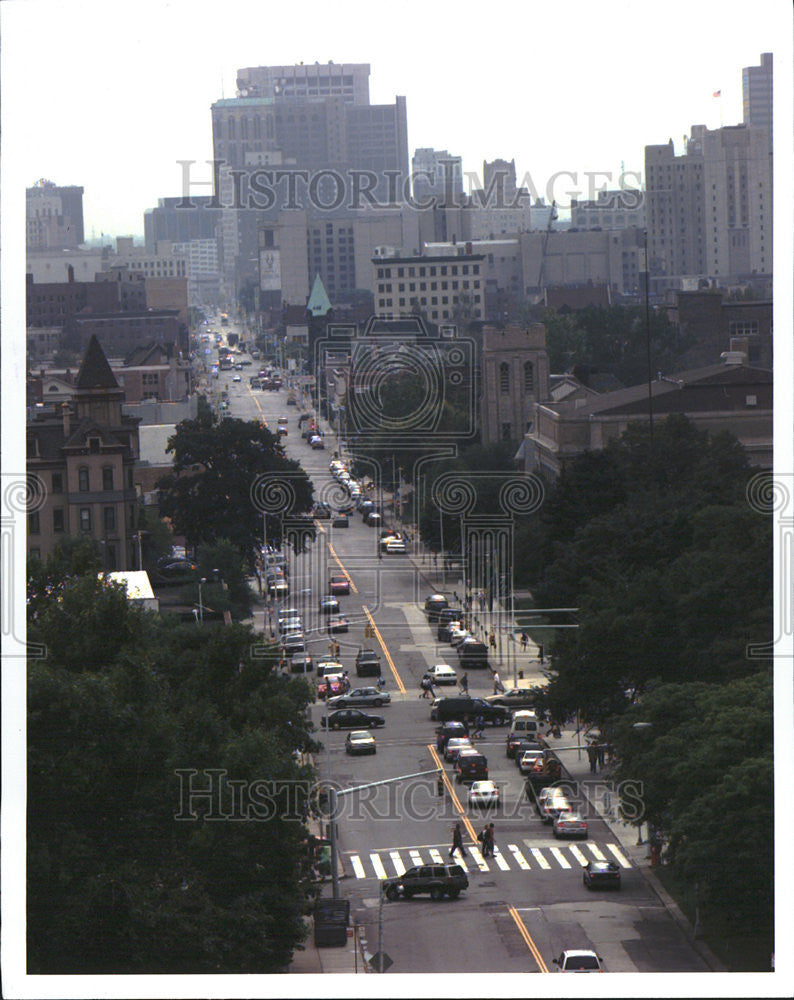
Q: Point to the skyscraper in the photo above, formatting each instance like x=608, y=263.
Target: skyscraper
x=757, y=94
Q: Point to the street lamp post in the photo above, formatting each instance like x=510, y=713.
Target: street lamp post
x=203, y=580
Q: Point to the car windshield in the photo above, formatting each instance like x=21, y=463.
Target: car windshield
x=360, y=734
x=582, y=962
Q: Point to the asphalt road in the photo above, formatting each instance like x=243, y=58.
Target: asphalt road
x=524, y=906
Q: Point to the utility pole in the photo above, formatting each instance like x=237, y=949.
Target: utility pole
x=380, y=927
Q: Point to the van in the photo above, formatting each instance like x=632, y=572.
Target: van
x=524, y=725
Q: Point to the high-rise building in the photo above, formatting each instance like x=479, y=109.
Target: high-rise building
x=54, y=216
x=437, y=174
x=350, y=81
x=709, y=212
x=757, y=94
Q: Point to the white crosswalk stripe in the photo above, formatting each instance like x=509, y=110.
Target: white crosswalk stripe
x=513, y=858
x=536, y=854
x=619, y=855
x=481, y=863
x=501, y=861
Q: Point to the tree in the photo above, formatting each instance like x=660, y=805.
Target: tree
x=117, y=883
x=225, y=474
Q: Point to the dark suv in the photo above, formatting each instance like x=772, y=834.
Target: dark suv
x=438, y=880
x=367, y=663
x=466, y=709
x=470, y=767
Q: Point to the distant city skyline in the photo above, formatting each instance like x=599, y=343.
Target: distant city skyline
x=115, y=110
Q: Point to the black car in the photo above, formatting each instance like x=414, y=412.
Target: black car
x=352, y=718
x=466, y=708
x=472, y=653
x=340, y=521
x=471, y=767
x=448, y=731
x=449, y=615
x=367, y=663
x=434, y=605
x=438, y=880
x=601, y=873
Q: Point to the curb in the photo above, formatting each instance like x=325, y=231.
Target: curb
x=708, y=956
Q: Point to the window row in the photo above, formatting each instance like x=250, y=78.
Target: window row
x=504, y=377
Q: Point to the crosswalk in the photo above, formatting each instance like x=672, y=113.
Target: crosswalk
x=524, y=855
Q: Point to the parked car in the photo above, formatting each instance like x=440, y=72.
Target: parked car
x=339, y=584
x=578, y=961
x=483, y=793
x=361, y=698
x=442, y=673
x=434, y=604
x=570, y=824
x=360, y=741
x=373, y=519
x=437, y=880
x=329, y=606
x=367, y=663
x=445, y=630
x=317, y=442
x=515, y=698
x=352, y=718
x=601, y=873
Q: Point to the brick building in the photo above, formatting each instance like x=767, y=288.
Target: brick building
x=83, y=455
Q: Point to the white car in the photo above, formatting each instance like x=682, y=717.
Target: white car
x=483, y=793
x=395, y=545
x=579, y=961
x=237, y=378
x=457, y=636
x=360, y=741
x=454, y=747
x=570, y=824
x=442, y=673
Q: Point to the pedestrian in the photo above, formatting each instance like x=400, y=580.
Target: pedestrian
x=381, y=683
x=498, y=687
x=492, y=639
x=488, y=841
x=592, y=756
x=524, y=640
x=540, y=653
x=464, y=684
x=479, y=725
x=457, y=840
x=600, y=753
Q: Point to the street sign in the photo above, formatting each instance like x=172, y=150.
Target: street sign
x=376, y=960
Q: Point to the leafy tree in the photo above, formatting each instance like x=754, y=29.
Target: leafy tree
x=225, y=472
x=115, y=882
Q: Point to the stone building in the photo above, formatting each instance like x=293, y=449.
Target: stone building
x=515, y=376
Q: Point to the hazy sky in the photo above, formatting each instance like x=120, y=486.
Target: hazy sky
x=111, y=96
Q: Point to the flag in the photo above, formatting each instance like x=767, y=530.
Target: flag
x=717, y=93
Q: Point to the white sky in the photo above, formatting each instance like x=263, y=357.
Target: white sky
x=110, y=96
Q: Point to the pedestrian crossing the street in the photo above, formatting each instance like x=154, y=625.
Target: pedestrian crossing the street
x=523, y=855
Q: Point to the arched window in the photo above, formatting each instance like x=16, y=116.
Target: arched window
x=529, y=377
x=504, y=378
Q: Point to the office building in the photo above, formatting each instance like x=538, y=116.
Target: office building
x=446, y=288
x=757, y=95
x=53, y=216
x=437, y=176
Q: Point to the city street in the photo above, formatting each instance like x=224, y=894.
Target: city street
x=527, y=903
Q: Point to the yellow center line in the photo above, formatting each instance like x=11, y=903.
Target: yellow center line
x=379, y=637
x=339, y=564
x=452, y=794
x=522, y=930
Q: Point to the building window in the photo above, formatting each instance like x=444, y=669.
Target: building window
x=507, y=431
x=34, y=523
x=743, y=328
x=85, y=519
x=93, y=445
x=107, y=478
x=58, y=520
x=109, y=518
x=504, y=378
x=57, y=482
x=529, y=377
x=110, y=557
x=82, y=479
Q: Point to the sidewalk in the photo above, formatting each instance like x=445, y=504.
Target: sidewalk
x=596, y=789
